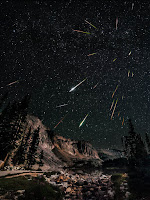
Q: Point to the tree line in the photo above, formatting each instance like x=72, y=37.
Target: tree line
x=16, y=138
x=135, y=149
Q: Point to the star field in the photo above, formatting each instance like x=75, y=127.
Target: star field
x=41, y=49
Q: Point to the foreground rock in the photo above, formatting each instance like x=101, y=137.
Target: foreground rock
x=72, y=185
x=83, y=186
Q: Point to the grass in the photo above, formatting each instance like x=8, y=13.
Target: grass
x=35, y=189
x=117, y=179
x=139, y=186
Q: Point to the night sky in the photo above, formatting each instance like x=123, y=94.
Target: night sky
x=42, y=52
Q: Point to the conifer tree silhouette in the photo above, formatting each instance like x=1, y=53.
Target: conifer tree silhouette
x=32, y=150
x=147, y=141
x=12, y=125
x=134, y=146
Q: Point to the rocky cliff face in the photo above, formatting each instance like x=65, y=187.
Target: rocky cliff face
x=50, y=151
x=68, y=149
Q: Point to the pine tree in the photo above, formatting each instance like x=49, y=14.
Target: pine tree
x=20, y=155
x=141, y=151
x=18, y=131
x=32, y=150
x=41, y=157
x=27, y=145
x=134, y=146
x=2, y=99
x=5, y=131
x=147, y=142
x=12, y=126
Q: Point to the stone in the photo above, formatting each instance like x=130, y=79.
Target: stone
x=80, y=183
x=61, y=177
x=67, y=195
x=68, y=190
x=91, y=189
x=73, y=193
x=88, y=193
x=101, y=193
x=127, y=194
x=106, y=196
x=20, y=191
x=111, y=193
x=122, y=188
x=80, y=172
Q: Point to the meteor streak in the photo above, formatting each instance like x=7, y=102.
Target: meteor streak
x=128, y=73
x=116, y=23
x=60, y=121
x=91, y=54
x=83, y=121
x=114, y=59
x=95, y=86
x=129, y=53
x=114, y=109
x=12, y=83
x=62, y=105
x=77, y=85
x=82, y=32
x=115, y=91
x=112, y=104
x=90, y=24
x=122, y=121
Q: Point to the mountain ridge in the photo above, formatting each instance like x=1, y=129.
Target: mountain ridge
x=40, y=147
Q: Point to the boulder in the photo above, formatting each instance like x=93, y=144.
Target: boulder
x=68, y=190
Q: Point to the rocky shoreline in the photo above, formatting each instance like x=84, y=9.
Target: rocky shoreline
x=80, y=186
